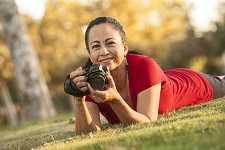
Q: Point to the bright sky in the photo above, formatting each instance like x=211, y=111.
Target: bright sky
x=203, y=12
x=35, y=8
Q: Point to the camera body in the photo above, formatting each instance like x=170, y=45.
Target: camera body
x=96, y=76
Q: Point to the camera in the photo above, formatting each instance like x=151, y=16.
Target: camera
x=96, y=76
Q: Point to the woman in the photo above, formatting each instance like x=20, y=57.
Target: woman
x=138, y=89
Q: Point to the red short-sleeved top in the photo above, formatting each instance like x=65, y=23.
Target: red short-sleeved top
x=180, y=87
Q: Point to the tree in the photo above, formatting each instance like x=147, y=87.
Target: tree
x=10, y=108
x=32, y=88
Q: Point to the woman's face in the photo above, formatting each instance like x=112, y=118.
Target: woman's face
x=106, y=46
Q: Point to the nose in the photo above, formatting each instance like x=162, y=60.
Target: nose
x=104, y=50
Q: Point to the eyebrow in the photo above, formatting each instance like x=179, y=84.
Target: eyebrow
x=109, y=39
x=94, y=42
x=97, y=42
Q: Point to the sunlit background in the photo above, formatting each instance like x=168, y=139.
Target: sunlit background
x=203, y=12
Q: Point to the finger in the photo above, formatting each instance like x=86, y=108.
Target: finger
x=107, y=67
x=78, y=72
x=84, y=89
x=96, y=93
x=79, y=79
x=110, y=79
x=75, y=73
x=92, y=94
x=92, y=91
x=81, y=84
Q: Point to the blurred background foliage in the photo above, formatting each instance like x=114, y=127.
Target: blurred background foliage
x=158, y=28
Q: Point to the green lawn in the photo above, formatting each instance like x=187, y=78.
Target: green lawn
x=197, y=128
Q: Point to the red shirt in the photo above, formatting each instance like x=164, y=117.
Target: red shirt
x=180, y=87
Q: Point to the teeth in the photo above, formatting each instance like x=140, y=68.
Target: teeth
x=108, y=59
x=105, y=60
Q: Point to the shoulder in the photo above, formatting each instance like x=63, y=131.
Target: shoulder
x=145, y=71
x=140, y=60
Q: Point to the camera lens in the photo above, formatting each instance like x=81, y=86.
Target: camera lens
x=97, y=76
x=97, y=83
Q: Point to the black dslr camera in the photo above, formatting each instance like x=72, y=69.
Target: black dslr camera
x=96, y=76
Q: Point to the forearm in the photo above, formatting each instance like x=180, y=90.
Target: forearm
x=126, y=114
x=84, y=122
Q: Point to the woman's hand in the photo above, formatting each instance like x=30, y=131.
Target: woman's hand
x=79, y=79
x=109, y=94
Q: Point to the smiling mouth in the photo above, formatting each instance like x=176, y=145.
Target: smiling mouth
x=105, y=60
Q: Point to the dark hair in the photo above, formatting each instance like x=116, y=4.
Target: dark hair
x=116, y=25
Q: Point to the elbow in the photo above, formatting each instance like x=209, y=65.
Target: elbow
x=152, y=118
x=86, y=130
x=136, y=121
x=96, y=128
x=148, y=119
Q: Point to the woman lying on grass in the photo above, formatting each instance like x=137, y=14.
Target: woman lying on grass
x=138, y=89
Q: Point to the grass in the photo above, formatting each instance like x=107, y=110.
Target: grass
x=199, y=127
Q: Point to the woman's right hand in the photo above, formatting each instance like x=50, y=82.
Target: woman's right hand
x=79, y=79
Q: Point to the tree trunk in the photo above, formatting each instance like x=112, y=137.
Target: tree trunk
x=32, y=87
x=8, y=104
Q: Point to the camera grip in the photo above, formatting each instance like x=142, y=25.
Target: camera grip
x=71, y=88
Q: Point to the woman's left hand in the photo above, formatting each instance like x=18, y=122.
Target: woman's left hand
x=109, y=94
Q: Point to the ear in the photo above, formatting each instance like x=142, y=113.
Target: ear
x=89, y=55
x=125, y=49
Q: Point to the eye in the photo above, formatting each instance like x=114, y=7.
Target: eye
x=95, y=46
x=111, y=43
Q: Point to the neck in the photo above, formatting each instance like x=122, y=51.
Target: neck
x=120, y=75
